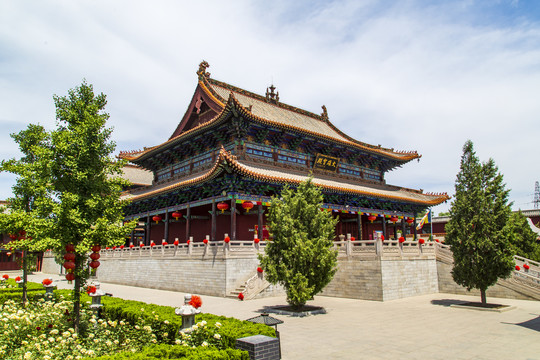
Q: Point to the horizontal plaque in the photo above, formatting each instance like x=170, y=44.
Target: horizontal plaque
x=325, y=162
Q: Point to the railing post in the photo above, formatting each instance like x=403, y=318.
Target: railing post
x=226, y=246
x=348, y=245
x=378, y=246
x=190, y=245
x=175, y=246
x=162, y=248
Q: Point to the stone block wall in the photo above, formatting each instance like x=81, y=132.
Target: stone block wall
x=499, y=290
x=357, y=279
x=408, y=277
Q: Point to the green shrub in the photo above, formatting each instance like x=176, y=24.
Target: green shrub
x=163, y=351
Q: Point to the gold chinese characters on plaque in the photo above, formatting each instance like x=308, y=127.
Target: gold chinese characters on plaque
x=325, y=162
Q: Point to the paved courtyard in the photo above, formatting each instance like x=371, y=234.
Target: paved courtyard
x=421, y=327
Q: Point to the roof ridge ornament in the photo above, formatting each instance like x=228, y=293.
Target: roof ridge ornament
x=202, y=70
x=324, y=114
x=271, y=96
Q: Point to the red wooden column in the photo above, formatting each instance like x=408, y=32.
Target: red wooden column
x=233, y=219
x=214, y=221
x=147, y=232
x=260, y=222
x=384, y=227
x=188, y=222
x=166, y=232
x=359, y=230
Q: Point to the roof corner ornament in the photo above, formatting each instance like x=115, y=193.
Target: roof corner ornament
x=272, y=96
x=324, y=114
x=202, y=70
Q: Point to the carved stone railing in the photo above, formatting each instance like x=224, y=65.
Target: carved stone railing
x=254, y=285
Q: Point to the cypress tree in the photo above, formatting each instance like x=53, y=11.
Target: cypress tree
x=476, y=230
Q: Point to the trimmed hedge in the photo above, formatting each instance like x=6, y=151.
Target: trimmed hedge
x=163, y=351
x=168, y=322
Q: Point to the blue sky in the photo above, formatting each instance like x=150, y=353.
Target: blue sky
x=410, y=75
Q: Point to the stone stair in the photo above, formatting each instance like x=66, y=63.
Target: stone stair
x=251, y=287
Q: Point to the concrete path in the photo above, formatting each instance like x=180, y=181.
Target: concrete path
x=421, y=327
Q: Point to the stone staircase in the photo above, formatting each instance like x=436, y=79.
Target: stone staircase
x=523, y=281
x=251, y=287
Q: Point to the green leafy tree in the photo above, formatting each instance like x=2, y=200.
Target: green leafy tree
x=27, y=218
x=522, y=238
x=300, y=255
x=479, y=213
x=86, y=182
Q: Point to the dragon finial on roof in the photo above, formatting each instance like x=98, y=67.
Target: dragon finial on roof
x=324, y=114
x=202, y=69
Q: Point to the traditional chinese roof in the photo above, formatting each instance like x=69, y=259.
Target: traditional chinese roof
x=223, y=98
x=265, y=174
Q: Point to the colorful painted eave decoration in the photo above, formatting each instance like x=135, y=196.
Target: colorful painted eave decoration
x=225, y=158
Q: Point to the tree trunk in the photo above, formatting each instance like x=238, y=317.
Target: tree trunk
x=76, y=303
x=483, y=296
x=25, y=277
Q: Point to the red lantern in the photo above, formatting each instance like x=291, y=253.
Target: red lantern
x=421, y=241
x=70, y=277
x=157, y=218
x=526, y=266
x=18, y=278
x=95, y=256
x=12, y=237
x=94, y=264
x=371, y=218
x=176, y=242
x=241, y=296
x=164, y=243
x=382, y=237
x=188, y=242
x=401, y=240
x=259, y=269
x=394, y=219
x=227, y=240
x=96, y=248
x=437, y=240
x=222, y=206
x=256, y=240
x=131, y=246
x=176, y=215
x=69, y=257
x=70, y=248
x=114, y=247
x=409, y=221
x=141, y=245
x=518, y=268
x=46, y=282
x=5, y=276
x=205, y=241
x=152, y=244
x=353, y=238
x=247, y=205
x=69, y=265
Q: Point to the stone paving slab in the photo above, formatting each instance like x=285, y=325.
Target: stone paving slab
x=421, y=327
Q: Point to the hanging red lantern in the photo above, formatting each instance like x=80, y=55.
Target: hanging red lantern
x=70, y=277
x=227, y=240
x=421, y=241
x=409, y=221
x=69, y=257
x=176, y=215
x=394, y=219
x=256, y=240
x=94, y=264
x=222, y=206
x=401, y=240
x=70, y=248
x=95, y=256
x=96, y=248
x=69, y=265
x=157, y=218
x=371, y=218
x=176, y=242
x=247, y=205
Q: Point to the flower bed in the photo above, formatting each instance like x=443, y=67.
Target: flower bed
x=43, y=330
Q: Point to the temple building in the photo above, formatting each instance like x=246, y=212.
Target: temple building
x=234, y=149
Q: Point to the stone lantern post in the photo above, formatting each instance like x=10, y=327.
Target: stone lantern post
x=187, y=312
x=96, y=298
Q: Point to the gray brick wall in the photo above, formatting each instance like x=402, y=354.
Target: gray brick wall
x=259, y=347
x=408, y=277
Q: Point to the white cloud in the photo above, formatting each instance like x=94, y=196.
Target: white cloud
x=400, y=74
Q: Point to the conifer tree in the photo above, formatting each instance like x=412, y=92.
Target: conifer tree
x=300, y=255
x=479, y=213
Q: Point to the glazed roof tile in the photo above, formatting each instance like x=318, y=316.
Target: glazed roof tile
x=284, y=176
